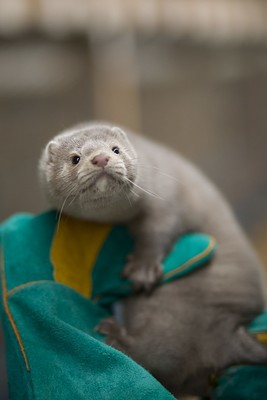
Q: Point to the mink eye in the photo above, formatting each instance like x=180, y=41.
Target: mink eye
x=116, y=150
x=75, y=160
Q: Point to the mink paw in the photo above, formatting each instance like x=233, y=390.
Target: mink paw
x=115, y=334
x=144, y=274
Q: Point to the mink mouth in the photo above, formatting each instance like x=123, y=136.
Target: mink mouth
x=101, y=175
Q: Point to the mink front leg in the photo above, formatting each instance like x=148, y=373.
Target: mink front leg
x=144, y=265
x=154, y=234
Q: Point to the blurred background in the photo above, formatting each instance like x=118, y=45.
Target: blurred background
x=189, y=73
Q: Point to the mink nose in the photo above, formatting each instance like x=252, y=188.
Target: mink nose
x=100, y=160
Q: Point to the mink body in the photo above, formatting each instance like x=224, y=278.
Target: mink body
x=186, y=330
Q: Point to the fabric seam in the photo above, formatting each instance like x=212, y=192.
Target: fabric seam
x=22, y=286
x=192, y=260
x=9, y=314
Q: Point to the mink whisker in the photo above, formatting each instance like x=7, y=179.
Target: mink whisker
x=162, y=172
x=87, y=176
x=74, y=198
x=61, y=211
x=128, y=198
x=118, y=172
x=136, y=194
x=144, y=190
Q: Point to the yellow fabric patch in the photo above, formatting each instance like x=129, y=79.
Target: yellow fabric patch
x=262, y=338
x=74, y=250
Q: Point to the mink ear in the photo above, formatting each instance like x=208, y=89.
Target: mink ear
x=50, y=151
x=118, y=131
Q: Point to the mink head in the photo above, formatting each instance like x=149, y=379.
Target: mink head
x=86, y=166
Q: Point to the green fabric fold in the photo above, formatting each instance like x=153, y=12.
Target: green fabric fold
x=53, y=351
